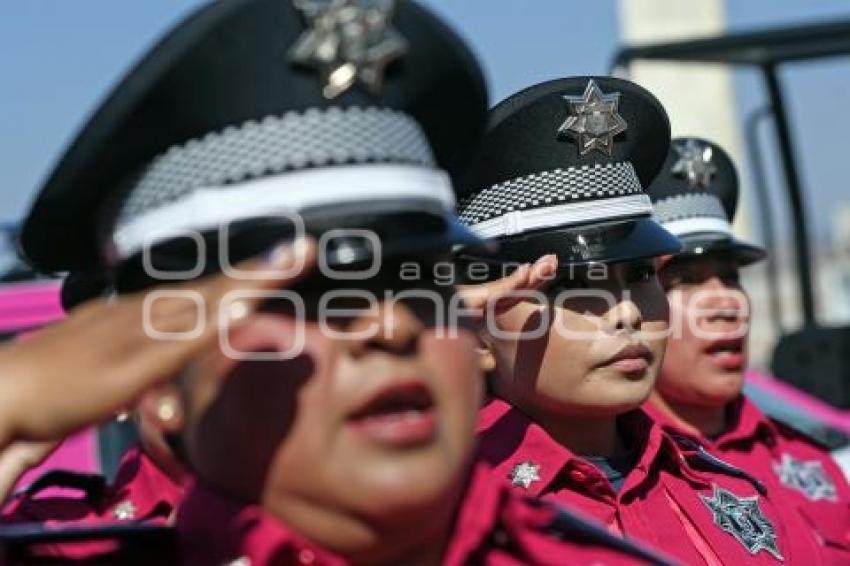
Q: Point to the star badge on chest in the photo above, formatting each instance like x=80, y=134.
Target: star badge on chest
x=742, y=518
x=694, y=164
x=348, y=41
x=806, y=476
x=524, y=473
x=124, y=511
x=593, y=121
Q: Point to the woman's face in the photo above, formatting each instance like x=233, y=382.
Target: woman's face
x=602, y=332
x=373, y=422
x=707, y=354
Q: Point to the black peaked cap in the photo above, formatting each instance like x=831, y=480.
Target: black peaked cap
x=534, y=161
x=696, y=196
x=227, y=64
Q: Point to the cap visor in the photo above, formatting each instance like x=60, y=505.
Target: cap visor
x=742, y=252
x=610, y=242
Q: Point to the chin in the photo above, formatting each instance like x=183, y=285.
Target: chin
x=723, y=386
x=387, y=486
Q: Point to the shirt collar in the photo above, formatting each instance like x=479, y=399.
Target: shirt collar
x=746, y=423
x=509, y=438
x=142, y=489
x=214, y=528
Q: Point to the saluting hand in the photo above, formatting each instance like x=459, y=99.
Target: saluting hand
x=502, y=293
x=103, y=356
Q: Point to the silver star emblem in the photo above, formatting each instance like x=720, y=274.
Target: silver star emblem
x=694, y=163
x=348, y=41
x=124, y=511
x=593, y=121
x=525, y=473
x=742, y=518
x=807, y=477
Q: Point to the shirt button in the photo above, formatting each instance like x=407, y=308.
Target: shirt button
x=500, y=538
x=306, y=556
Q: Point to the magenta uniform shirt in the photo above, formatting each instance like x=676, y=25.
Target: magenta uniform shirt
x=801, y=472
x=493, y=526
x=677, y=497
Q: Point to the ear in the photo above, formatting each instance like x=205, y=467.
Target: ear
x=162, y=407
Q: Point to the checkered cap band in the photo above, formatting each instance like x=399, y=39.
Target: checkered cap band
x=694, y=205
x=294, y=141
x=551, y=188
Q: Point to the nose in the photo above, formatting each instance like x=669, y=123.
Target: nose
x=392, y=327
x=625, y=317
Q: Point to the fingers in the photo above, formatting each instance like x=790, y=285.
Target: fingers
x=506, y=292
x=543, y=270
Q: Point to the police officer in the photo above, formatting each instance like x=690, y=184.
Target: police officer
x=358, y=446
x=561, y=171
x=699, y=390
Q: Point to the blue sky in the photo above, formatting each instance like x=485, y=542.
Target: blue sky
x=58, y=58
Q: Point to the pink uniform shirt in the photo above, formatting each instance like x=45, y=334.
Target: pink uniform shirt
x=801, y=472
x=676, y=498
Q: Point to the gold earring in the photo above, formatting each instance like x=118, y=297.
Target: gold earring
x=166, y=408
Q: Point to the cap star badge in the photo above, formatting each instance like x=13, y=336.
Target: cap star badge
x=593, y=121
x=348, y=41
x=694, y=163
x=807, y=477
x=742, y=518
x=524, y=474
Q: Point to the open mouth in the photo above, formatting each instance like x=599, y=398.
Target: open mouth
x=727, y=354
x=399, y=415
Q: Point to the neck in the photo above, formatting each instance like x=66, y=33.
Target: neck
x=593, y=436
x=695, y=419
x=414, y=538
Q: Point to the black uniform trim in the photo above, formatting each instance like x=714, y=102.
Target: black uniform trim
x=701, y=459
x=568, y=526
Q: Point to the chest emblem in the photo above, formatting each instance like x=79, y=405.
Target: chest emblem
x=806, y=476
x=124, y=511
x=524, y=474
x=742, y=518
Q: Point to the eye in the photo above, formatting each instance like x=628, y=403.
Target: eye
x=642, y=273
x=731, y=277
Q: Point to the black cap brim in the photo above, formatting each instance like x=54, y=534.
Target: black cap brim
x=606, y=242
x=363, y=237
x=741, y=252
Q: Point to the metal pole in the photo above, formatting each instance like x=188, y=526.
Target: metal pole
x=795, y=196
x=765, y=217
